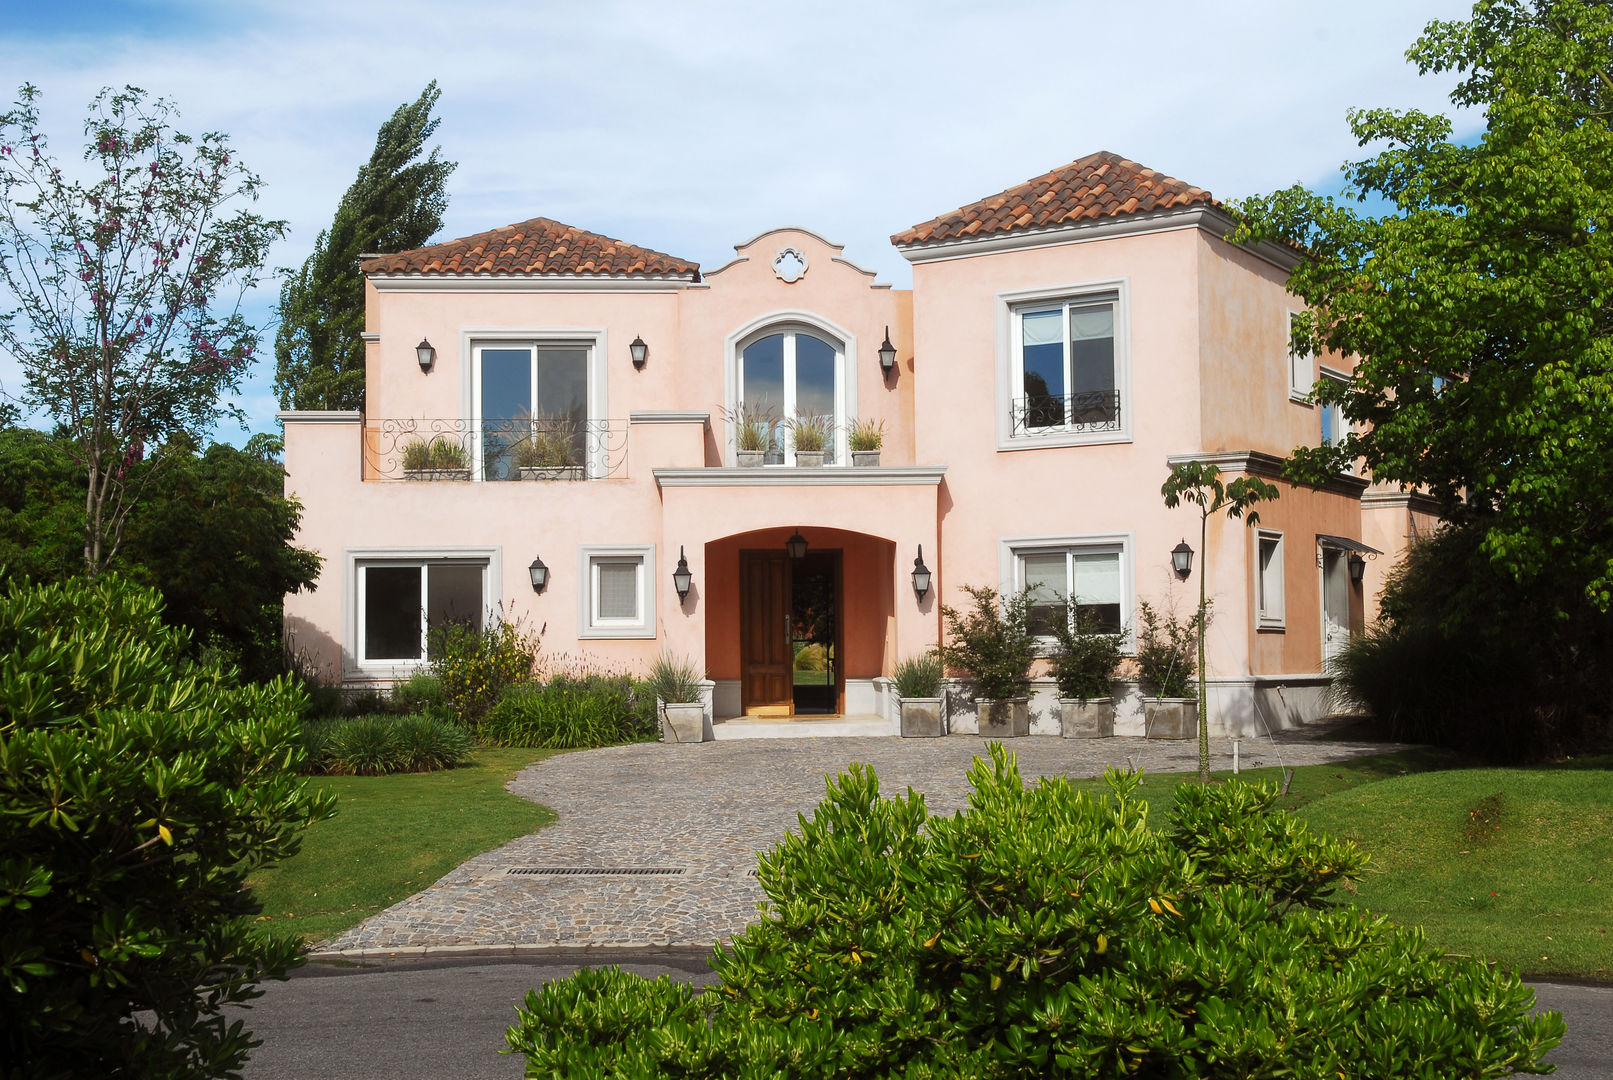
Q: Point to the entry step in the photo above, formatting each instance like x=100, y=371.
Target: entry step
x=799, y=727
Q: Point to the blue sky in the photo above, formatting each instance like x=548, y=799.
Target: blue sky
x=692, y=126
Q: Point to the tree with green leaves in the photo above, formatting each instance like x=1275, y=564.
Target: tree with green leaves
x=1480, y=306
x=127, y=285
x=396, y=203
x=1199, y=483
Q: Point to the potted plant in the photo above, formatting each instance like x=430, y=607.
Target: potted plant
x=551, y=451
x=1084, y=664
x=918, y=685
x=865, y=437
x=1165, y=650
x=435, y=459
x=675, y=680
x=811, y=437
x=992, y=642
x=753, y=433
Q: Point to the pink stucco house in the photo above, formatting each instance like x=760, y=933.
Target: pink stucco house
x=1064, y=342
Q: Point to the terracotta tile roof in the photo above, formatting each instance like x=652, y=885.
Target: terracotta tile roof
x=1097, y=186
x=539, y=246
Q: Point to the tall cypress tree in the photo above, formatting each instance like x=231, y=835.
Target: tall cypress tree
x=396, y=203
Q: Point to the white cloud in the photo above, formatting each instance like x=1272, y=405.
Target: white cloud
x=691, y=126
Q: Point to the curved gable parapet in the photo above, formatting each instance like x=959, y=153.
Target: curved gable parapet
x=837, y=248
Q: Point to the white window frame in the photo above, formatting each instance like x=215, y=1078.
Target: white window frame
x=1011, y=304
x=1011, y=551
x=473, y=341
x=1301, y=368
x=1335, y=412
x=589, y=623
x=791, y=322
x=1269, y=616
x=356, y=560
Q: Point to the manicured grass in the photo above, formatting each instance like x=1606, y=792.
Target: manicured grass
x=1523, y=880
x=393, y=836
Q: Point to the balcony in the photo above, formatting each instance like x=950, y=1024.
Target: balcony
x=548, y=448
x=1093, y=411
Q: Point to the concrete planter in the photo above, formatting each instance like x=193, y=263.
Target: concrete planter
x=1006, y=718
x=552, y=472
x=749, y=459
x=1171, y=718
x=921, y=718
x=1093, y=719
x=809, y=459
x=436, y=474
x=865, y=459
x=683, y=721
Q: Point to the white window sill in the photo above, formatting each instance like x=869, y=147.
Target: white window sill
x=1298, y=398
x=1265, y=625
x=1055, y=439
x=636, y=630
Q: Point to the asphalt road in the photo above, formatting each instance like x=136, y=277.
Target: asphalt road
x=446, y=1018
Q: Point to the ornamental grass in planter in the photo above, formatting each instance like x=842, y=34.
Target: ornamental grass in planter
x=1165, y=651
x=811, y=434
x=552, y=451
x=675, y=680
x=434, y=459
x=991, y=641
x=918, y=685
x=754, y=430
x=865, y=439
x=1084, y=665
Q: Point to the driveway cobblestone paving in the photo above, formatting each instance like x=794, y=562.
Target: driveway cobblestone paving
x=709, y=809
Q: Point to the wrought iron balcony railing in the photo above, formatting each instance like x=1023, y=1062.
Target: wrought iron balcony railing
x=548, y=448
x=1045, y=414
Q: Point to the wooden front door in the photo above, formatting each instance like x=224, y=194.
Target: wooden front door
x=767, y=684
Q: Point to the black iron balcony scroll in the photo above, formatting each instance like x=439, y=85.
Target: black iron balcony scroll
x=1044, y=414
x=546, y=448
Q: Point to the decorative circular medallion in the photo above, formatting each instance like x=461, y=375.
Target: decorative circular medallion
x=790, y=265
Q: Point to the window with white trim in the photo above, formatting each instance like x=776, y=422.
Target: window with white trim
x=794, y=374
x=531, y=406
x=403, y=602
x=1065, y=367
x=1093, y=577
x=1269, y=593
x=1301, y=365
x=618, y=597
x=1335, y=428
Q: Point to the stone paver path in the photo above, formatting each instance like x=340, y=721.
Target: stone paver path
x=708, y=809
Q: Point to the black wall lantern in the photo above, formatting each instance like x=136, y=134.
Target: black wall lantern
x=796, y=545
x=640, y=351
x=539, y=573
x=425, y=354
x=1182, y=559
x=682, y=577
x=887, y=355
x=1358, y=567
x=921, y=575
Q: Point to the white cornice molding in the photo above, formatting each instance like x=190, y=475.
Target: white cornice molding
x=1260, y=463
x=525, y=283
x=1380, y=498
x=791, y=228
x=369, y=337
x=668, y=416
x=1213, y=221
x=319, y=416
x=828, y=476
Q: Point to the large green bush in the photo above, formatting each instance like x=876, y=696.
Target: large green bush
x=380, y=745
x=474, y=667
x=137, y=790
x=573, y=711
x=1043, y=932
x=991, y=641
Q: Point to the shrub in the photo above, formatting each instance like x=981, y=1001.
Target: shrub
x=137, y=791
x=812, y=657
x=919, y=676
x=421, y=692
x=1167, y=649
x=1085, y=659
x=1044, y=932
x=674, y=679
x=475, y=666
x=992, y=642
x=572, y=712
x=379, y=745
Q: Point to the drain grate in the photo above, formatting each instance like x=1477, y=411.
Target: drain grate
x=597, y=871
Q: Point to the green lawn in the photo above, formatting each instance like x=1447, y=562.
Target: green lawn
x=393, y=836
x=1523, y=879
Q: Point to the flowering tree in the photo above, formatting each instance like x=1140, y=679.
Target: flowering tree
x=127, y=286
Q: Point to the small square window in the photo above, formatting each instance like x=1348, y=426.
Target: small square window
x=618, y=598
x=1269, y=582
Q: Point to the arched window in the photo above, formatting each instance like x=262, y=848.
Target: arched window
x=796, y=375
